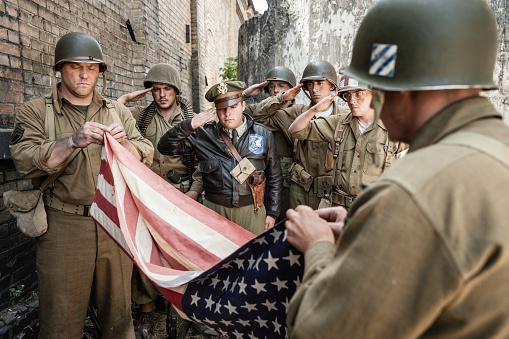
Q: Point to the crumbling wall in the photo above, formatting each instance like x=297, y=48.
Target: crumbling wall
x=292, y=33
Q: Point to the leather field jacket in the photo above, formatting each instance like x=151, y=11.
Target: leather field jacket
x=215, y=161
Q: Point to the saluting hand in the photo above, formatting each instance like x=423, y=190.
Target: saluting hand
x=324, y=104
x=255, y=89
x=133, y=96
x=202, y=118
x=292, y=93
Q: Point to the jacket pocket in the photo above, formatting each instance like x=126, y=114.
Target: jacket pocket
x=212, y=174
x=374, y=159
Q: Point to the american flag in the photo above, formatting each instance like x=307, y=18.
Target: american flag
x=212, y=270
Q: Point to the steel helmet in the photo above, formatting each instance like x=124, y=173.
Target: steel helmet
x=281, y=73
x=163, y=74
x=426, y=45
x=320, y=70
x=349, y=84
x=79, y=47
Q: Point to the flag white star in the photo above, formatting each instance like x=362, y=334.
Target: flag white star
x=243, y=252
x=258, y=287
x=239, y=262
x=261, y=241
x=218, y=307
x=271, y=262
x=242, y=287
x=227, y=265
x=277, y=326
x=210, y=303
x=234, y=284
x=276, y=234
x=232, y=309
x=211, y=322
x=280, y=284
x=251, y=262
x=223, y=332
x=269, y=305
x=257, y=263
x=249, y=307
x=195, y=298
x=243, y=322
x=226, y=322
x=285, y=232
x=252, y=336
x=237, y=334
x=214, y=281
x=297, y=282
x=261, y=322
x=293, y=258
x=226, y=283
x=286, y=303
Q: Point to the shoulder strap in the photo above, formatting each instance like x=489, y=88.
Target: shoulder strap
x=339, y=137
x=49, y=122
x=146, y=117
x=484, y=144
x=230, y=146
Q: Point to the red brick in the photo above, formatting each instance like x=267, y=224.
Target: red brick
x=6, y=108
x=3, y=34
x=13, y=37
x=11, y=97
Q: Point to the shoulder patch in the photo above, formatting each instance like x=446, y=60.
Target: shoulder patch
x=256, y=143
x=17, y=134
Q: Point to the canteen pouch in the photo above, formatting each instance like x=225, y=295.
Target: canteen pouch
x=28, y=208
x=256, y=183
x=243, y=170
x=301, y=177
x=323, y=185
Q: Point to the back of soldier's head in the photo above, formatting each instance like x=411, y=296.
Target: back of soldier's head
x=426, y=45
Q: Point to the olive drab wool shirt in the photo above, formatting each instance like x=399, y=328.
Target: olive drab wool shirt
x=31, y=150
x=315, y=157
x=425, y=252
x=162, y=164
x=362, y=157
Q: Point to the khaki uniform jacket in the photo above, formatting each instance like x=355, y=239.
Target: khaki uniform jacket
x=315, y=157
x=162, y=164
x=362, y=157
x=425, y=253
x=77, y=183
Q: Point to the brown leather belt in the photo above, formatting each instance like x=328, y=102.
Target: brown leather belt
x=57, y=204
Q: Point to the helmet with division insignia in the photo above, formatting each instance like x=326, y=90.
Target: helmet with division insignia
x=426, y=45
x=79, y=47
x=163, y=74
x=320, y=70
x=280, y=73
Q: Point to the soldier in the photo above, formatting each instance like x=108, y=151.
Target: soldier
x=167, y=110
x=362, y=150
x=75, y=256
x=232, y=190
x=311, y=170
x=278, y=80
x=424, y=251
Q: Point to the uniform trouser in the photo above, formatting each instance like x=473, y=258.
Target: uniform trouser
x=143, y=290
x=242, y=216
x=298, y=196
x=285, y=202
x=74, y=257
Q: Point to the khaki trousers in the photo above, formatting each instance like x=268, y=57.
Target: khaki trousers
x=242, y=216
x=298, y=196
x=74, y=257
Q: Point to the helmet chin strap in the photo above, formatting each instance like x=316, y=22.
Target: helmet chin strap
x=54, y=91
x=105, y=84
x=377, y=102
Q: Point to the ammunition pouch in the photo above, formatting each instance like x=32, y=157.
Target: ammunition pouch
x=323, y=185
x=286, y=164
x=300, y=177
x=340, y=198
x=256, y=183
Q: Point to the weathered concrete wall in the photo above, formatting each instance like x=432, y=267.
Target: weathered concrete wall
x=294, y=32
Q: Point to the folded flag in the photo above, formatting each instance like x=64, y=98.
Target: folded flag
x=212, y=270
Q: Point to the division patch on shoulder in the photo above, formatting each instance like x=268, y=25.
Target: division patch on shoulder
x=17, y=134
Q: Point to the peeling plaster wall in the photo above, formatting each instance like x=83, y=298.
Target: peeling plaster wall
x=292, y=33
